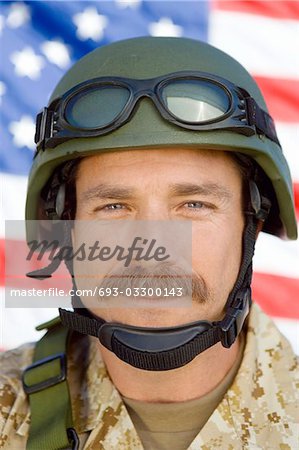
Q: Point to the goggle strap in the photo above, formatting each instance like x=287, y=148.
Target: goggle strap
x=261, y=120
x=44, y=127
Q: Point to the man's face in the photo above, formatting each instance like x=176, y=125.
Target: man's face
x=201, y=186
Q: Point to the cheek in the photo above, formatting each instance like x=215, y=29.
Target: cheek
x=216, y=256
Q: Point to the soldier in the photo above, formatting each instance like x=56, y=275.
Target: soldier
x=159, y=129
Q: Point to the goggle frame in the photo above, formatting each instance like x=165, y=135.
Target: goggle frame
x=244, y=115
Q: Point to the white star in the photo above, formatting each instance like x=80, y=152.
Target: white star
x=57, y=53
x=23, y=132
x=165, y=27
x=2, y=90
x=128, y=3
x=1, y=24
x=90, y=24
x=27, y=63
x=18, y=15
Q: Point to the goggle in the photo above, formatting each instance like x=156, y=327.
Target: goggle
x=192, y=100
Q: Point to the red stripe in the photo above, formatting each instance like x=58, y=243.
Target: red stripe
x=16, y=267
x=282, y=9
x=277, y=296
x=282, y=97
x=2, y=262
x=296, y=196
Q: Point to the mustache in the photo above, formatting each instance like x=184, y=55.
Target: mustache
x=162, y=276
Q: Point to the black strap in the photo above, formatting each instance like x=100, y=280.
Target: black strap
x=81, y=323
x=163, y=360
x=203, y=335
x=170, y=359
x=261, y=120
x=245, y=273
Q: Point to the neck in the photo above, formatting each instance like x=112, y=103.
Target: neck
x=189, y=382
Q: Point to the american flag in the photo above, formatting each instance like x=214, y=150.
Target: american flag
x=40, y=40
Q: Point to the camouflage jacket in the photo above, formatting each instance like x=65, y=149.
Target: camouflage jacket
x=257, y=412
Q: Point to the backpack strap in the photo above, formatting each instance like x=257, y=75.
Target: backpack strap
x=45, y=382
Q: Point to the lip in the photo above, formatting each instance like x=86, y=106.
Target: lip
x=145, y=302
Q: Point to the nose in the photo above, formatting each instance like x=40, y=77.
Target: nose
x=153, y=211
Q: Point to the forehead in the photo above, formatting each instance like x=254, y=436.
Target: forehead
x=166, y=162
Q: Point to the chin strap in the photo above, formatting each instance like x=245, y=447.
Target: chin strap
x=162, y=348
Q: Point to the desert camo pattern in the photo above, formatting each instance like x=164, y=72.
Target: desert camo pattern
x=259, y=411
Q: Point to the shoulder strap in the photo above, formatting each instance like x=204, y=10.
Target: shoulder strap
x=46, y=384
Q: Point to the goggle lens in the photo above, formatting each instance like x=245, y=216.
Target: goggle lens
x=195, y=101
x=88, y=110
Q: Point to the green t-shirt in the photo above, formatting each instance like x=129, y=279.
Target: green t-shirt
x=164, y=426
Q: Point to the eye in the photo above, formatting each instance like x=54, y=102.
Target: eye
x=114, y=206
x=195, y=205
x=197, y=208
x=110, y=208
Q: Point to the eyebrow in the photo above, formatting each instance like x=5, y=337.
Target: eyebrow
x=206, y=189
x=105, y=191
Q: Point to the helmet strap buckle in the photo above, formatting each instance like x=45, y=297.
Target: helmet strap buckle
x=236, y=314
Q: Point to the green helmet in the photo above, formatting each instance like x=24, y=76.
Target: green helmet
x=149, y=57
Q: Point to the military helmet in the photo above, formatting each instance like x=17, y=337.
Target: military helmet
x=151, y=57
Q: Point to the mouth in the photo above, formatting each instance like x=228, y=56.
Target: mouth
x=147, y=300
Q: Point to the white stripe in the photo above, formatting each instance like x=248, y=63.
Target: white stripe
x=290, y=329
x=18, y=324
x=265, y=46
x=277, y=257
x=13, y=195
x=288, y=135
